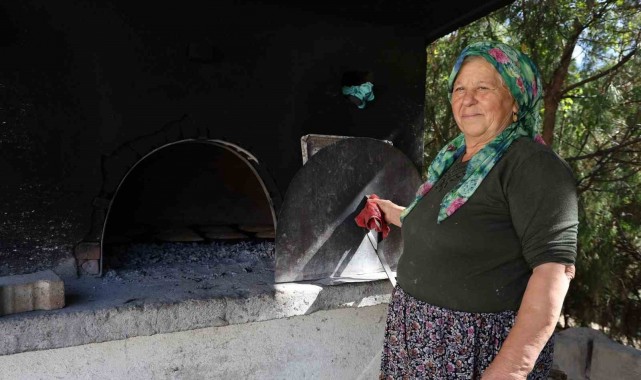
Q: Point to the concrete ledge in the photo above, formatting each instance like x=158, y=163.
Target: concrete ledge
x=329, y=344
x=36, y=291
x=72, y=327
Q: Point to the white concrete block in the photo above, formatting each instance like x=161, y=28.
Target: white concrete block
x=35, y=291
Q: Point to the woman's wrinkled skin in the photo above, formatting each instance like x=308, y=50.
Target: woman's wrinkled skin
x=481, y=104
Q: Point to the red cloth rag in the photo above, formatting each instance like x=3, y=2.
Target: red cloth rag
x=371, y=217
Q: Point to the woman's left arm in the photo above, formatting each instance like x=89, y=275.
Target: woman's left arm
x=535, y=322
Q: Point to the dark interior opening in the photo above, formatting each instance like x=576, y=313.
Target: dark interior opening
x=356, y=77
x=186, y=198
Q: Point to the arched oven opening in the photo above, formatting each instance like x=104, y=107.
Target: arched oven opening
x=195, y=210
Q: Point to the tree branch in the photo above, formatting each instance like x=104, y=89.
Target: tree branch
x=618, y=179
x=603, y=73
x=603, y=152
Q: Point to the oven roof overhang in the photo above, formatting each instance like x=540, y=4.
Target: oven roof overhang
x=433, y=19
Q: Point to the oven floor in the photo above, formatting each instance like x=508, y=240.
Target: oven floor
x=171, y=272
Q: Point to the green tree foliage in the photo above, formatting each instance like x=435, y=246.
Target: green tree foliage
x=587, y=54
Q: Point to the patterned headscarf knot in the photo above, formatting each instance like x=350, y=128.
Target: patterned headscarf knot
x=523, y=80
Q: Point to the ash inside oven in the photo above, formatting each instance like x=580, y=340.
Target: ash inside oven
x=219, y=267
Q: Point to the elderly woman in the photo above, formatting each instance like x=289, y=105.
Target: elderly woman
x=490, y=241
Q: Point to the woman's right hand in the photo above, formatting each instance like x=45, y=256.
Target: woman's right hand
x=391, y=211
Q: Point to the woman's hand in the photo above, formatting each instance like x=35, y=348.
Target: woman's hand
x=391, y=211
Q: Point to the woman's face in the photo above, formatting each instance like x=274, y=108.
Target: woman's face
x=481, y=104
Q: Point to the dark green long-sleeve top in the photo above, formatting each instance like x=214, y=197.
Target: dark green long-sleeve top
x=480, y=259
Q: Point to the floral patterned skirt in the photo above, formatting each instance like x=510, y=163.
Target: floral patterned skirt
x=429, y=342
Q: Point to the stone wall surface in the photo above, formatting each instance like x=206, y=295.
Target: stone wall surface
x=332, y=344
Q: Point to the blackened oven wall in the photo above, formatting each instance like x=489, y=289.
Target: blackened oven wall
x=87, y=77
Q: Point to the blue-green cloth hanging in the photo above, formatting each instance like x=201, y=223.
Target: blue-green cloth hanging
x=363, y=92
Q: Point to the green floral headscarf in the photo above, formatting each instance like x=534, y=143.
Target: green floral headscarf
x=524, y=82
